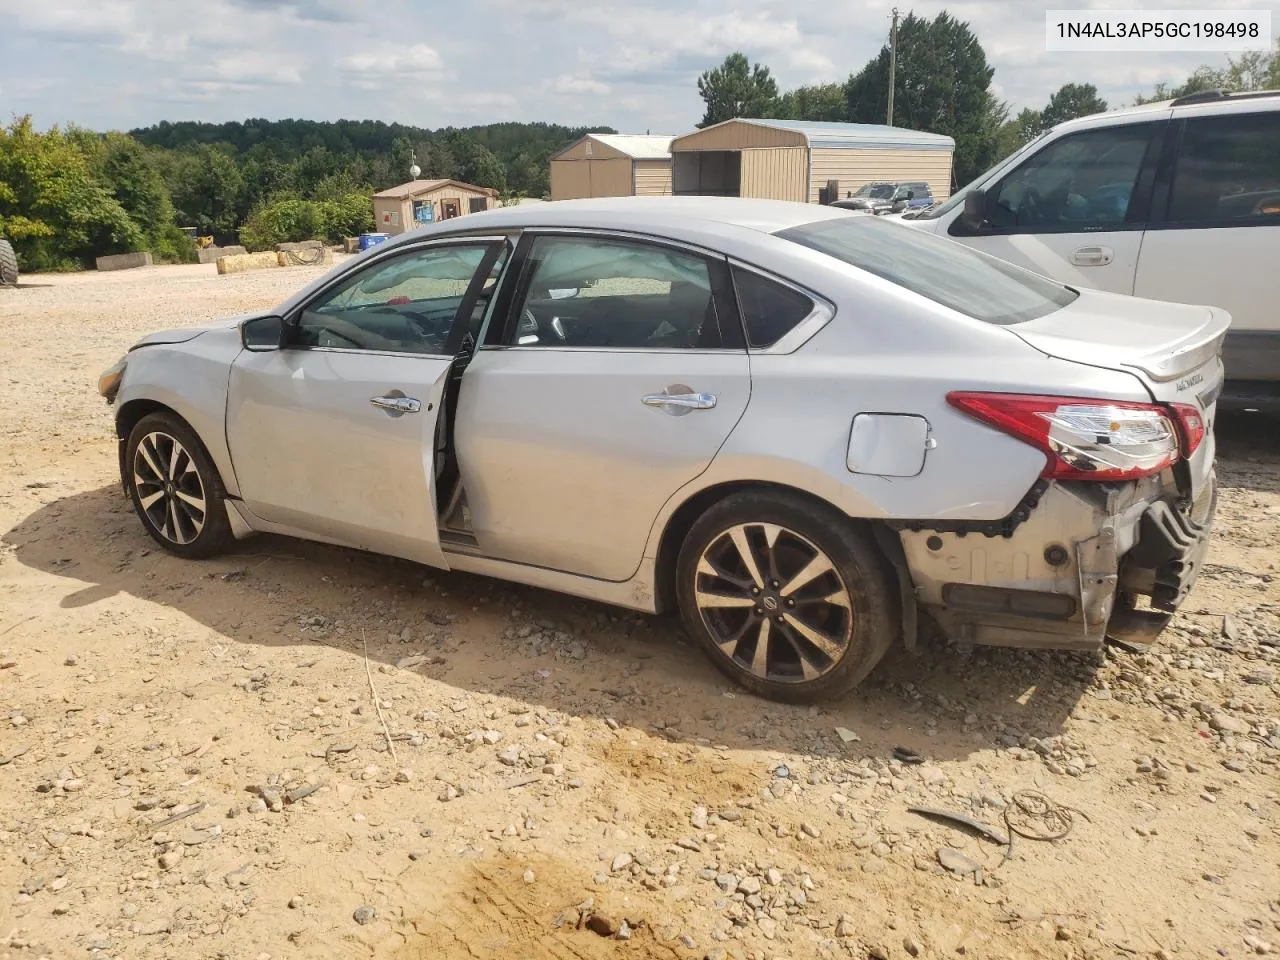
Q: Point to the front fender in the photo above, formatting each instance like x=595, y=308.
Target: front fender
x=191, y=380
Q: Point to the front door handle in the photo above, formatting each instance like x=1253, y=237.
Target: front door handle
x=397, y=406
x=680, y=402
x=1092, y=256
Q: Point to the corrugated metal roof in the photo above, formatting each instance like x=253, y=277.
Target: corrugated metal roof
x=636, y=146
x=415, y=188
x=820, y=133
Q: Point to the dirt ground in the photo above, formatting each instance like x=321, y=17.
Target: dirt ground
x=560, y=770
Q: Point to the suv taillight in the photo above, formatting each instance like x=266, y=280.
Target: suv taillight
x=1082, y=438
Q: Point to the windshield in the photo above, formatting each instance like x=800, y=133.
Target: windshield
x=878, y=191
x=973, y=283
x=957, y=198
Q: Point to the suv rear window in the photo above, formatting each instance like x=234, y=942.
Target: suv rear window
x=973, y=283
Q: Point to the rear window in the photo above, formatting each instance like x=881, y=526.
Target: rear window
x=956, y=276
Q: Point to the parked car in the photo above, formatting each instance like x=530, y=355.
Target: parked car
x=798, y=428
x=1176, y=201
x=882, y=198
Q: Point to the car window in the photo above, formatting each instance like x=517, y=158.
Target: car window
x=1084, y=179
x=595, y=292
x=1228, y=168
x=406, y=304
x=956, y=276
x=769, y=310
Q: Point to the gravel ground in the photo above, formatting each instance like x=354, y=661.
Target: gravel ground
x=192, y=760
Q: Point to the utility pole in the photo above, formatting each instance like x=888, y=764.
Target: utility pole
x=893, y=61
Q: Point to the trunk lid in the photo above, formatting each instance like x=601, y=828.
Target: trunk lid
x=1174, y=349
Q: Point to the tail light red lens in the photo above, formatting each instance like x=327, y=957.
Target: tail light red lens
x=1191, y=422
x=1082, y=438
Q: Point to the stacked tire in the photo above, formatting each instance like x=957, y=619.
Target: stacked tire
x=8, y=265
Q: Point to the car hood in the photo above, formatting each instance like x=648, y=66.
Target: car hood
x=184, y=334
x=1161, y=341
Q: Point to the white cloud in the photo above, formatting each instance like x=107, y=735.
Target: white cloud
x=631, y=64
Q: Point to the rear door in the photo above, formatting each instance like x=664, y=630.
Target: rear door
x=612, y=373
x=1075, y=209
x=1215, y=231
x=333, y=436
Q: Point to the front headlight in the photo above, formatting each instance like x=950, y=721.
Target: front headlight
x=109, y=380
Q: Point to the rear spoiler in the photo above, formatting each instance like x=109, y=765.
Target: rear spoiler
x=1188, y=354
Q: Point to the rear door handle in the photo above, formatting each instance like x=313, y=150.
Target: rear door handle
x=1092, y=256
x=397, y=406
x=680, y=401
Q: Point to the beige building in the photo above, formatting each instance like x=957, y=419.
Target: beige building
x=796, y=159
x=425, y=201
x=612, y=165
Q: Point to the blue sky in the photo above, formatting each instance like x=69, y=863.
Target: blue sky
x=633, y=65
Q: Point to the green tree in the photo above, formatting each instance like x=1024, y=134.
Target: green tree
x=52, y=208
x=1070, y=101
x=1018, y=132
x=207, y=189
x=1254, y=70
x=824, y=101
x=942, y=85
x=737, y=88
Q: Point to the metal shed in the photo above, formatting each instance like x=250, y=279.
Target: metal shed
x=795, y=159
x=612, y=165
x=424, y=201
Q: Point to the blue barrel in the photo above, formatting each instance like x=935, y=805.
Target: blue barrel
x=368, y=240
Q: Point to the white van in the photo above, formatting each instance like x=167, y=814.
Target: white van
x=1173, y=201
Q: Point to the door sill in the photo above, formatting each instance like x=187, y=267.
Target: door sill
x=458, y=540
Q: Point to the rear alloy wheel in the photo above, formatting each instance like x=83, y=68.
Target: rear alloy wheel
x=175, y=489
x=785, y=596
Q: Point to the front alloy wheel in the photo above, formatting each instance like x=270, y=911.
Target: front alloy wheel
x=170, y=493
x=788, y=596
x=175, y=487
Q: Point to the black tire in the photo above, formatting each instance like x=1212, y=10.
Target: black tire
x=172, y=520
x=8, y=265
x=856, y=566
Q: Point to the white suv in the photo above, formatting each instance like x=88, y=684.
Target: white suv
x=1175, y=201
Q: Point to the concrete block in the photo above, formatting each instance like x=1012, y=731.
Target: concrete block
x=124, y=261
x=211, y=254
x=240, y=262
x=351, y=245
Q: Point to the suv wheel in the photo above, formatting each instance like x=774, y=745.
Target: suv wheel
x=786, y=596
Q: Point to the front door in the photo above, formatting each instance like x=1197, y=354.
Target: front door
x=618, y=374
x=333, y=436
x=449, y=209
x=1074, y=211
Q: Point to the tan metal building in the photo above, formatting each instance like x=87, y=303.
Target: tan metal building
x=612, y=165
x=419, y=202
x=796, y=159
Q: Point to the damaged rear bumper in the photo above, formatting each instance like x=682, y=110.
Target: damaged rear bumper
x=1063, y=570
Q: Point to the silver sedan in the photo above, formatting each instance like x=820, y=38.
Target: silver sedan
x=805, y=430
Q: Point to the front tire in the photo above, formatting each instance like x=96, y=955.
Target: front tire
x=786, y=596
x=175, y=488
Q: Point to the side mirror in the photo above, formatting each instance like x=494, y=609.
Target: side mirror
x=975, y=210
x=263, y=334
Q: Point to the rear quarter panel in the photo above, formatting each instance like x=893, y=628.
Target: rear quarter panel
x=191, y=379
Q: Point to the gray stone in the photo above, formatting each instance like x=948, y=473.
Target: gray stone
x=957, y=862
x=1225, y=723
x=731, y=814
x=844, y=926
x=620, y=862
x=810, y=830
x=727, y=882
x=124, y=261
x=699, y=818
x=749, y=885
x=364, y=915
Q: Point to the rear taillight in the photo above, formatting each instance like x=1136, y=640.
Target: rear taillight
x=1191, y=423
x=1083, y=439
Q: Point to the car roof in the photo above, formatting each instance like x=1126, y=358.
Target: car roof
x=663, y=215
x=1200, y=104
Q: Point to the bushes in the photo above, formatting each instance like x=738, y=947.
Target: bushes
x=290, y=219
